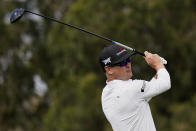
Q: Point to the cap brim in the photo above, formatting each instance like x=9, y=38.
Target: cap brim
x=129, y=54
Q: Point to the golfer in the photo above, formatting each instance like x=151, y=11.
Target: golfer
x=125, y=101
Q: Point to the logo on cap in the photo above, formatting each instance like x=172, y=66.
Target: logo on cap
x=120, y=52
x=106, y=61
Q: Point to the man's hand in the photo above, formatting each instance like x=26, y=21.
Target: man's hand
x=153, y=60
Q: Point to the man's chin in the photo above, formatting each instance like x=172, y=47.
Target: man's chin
x=130, y=75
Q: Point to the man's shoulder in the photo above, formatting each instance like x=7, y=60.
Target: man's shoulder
x=127, y=83
x=130, y=81
x=138, y=81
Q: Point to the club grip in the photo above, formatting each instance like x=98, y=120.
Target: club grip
x=162, y=59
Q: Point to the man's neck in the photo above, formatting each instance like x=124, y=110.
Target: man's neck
x=110, y=79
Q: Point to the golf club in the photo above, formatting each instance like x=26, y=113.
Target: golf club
x=16, y=14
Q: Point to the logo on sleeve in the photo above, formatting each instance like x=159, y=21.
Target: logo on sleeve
x=143, y=86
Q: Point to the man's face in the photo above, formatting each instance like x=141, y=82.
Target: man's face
x=120, y=72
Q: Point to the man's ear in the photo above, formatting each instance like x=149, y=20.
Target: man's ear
x=108, y=70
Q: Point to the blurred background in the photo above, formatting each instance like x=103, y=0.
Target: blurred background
x=50, y=78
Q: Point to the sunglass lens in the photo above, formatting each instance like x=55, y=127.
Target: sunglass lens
x=125, y=62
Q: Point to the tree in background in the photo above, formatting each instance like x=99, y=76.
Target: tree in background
x=66, y=61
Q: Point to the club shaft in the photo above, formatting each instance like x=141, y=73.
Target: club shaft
x=94, y=34
x=72, y=26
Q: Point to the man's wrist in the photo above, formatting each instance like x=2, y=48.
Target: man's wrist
x=159, y=67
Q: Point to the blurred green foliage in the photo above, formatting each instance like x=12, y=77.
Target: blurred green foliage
x=66, y=60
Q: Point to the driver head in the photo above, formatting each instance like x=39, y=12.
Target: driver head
x=16, y=14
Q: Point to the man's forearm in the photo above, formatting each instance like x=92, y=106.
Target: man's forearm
x=159, y=85
x=162, y=81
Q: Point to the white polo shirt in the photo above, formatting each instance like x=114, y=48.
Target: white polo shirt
x=125, y=103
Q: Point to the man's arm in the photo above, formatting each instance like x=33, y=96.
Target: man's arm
x=161, y=82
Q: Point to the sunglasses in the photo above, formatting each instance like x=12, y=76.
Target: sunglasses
x=123, y=63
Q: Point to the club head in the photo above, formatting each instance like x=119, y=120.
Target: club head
x=16, y=14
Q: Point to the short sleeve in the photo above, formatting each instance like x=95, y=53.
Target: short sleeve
x=157, y=86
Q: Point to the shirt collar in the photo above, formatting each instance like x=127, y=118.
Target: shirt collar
x=113, y=81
